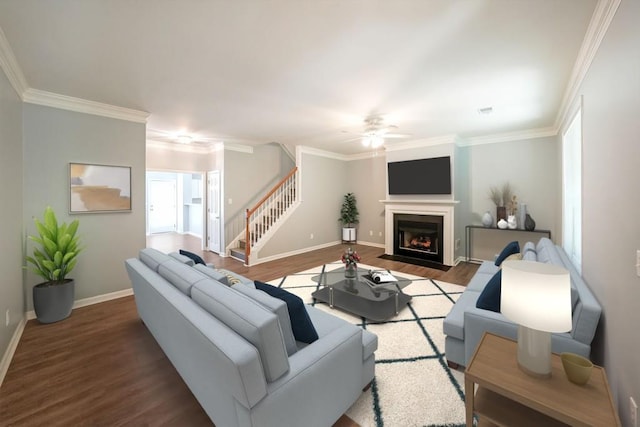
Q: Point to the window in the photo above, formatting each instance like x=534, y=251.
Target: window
x=572, y=190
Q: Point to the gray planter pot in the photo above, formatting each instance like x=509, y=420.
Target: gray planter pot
x=53, y=303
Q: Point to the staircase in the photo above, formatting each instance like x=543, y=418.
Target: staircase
x=266, y=216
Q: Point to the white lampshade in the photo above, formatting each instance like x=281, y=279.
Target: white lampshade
x=536, y=295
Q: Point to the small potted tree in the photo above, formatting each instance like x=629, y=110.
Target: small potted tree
x=53, y=259
x=349, y=217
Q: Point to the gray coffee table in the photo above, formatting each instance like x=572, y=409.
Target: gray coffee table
x=362, y=296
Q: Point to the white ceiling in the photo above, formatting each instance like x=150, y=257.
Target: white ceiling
x=306, y=72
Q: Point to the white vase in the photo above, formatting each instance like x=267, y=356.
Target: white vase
x=487, y=219
x=502, y=224
x=511, y=222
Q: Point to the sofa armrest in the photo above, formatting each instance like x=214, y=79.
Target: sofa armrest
x=478, y=321
x=328, y=370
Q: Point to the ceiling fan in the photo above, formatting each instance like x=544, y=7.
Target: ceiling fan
x=375, y=132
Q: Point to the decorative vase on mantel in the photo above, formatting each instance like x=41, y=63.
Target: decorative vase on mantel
x=501, y=213
x=487, y=219
x=529, y=223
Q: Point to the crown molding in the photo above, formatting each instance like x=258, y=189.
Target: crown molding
x=303, y=149
x=9, y=65
x=509, y=136
x=598, y=26
x=238, y=147
x=63, y=102
x=427, y=142
x=182, y=148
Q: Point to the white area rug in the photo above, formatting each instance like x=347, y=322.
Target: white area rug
x=413, y=385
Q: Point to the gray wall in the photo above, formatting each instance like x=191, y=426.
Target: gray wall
x=11, y=226
x=367, y=179
x=531, y=168
x=324, y=183
x=52, y=139
x=462, y=191
x=159, y=158
x=247, y=177
x=610, y=202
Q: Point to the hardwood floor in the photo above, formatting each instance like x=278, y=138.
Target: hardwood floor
x=102, y=367
x=167, y=242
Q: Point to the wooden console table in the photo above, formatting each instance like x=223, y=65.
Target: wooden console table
x=492, y=240
x=506, y=396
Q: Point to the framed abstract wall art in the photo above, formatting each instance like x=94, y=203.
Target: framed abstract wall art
x=99, y=188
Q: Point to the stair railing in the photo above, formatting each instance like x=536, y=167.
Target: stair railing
x=269, y=209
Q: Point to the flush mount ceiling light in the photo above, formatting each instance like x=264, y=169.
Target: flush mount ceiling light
x=184, y=139
x=372, y=140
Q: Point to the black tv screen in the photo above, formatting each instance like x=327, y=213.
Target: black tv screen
x=423, y=176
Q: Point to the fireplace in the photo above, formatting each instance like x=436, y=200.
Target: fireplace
x=418, y=236
x=440, y=209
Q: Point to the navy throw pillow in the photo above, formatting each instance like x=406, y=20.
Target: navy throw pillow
x=510, y=249
x=489, y=298
x=301, y=325
x=193, y=256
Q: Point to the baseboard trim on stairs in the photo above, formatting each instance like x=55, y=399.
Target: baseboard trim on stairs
x=11, y=349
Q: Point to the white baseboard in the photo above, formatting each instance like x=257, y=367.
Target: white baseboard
x=375, y=245
x=13, y=344
x=92, y=300
x=296, y=252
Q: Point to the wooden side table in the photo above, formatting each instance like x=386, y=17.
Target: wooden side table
x=506, y=396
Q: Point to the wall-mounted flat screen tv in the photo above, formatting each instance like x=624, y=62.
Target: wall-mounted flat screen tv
x=423, y=176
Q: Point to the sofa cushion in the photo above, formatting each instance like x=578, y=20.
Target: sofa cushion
x=453, y=324
x=181, y=258
x=152, y=258
x=182, y=276
x=301, y=324
x=549, y=253
x=194, y=257
x=489, y=298
x=212, y=273
x=233, y=278
x=484, y=273
x=248, y=319
x=511, y=248
x=529, y=252
x=276, y=306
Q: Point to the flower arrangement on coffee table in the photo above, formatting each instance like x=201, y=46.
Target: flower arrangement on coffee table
x=350, y=258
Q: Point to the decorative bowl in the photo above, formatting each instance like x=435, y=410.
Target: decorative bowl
x=577, y=368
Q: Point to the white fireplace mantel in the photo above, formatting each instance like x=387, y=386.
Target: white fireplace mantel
x=443, y=208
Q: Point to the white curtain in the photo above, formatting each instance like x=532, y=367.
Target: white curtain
x=572, y=190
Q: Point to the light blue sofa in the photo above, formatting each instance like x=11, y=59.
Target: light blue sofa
x=465, y=324
x=234, y=348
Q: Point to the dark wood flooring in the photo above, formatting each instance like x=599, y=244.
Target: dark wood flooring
x=102, y=367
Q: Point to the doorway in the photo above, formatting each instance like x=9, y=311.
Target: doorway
x=175, y=203
x=162, y=212
x=213, y=212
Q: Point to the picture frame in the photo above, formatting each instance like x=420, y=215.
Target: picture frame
x=95, y=188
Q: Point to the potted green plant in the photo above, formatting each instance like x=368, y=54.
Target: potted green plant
x=349, y=217
x=53, y=259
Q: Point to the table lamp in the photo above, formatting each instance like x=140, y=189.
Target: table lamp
x=536, y=296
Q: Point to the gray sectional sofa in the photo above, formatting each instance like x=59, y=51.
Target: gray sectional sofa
x=234, y=348
x=465, y=324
